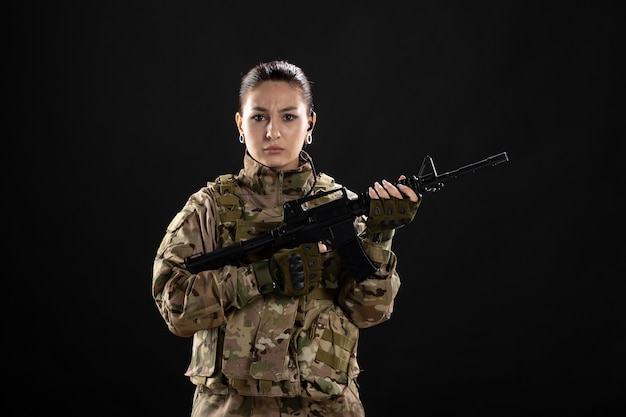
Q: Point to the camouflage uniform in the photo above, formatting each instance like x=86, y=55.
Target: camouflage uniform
x=256, y=355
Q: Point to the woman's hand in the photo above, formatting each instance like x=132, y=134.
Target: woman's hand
x=387, y=190
x=391, y=206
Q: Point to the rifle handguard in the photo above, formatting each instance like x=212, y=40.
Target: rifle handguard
x=392, y=213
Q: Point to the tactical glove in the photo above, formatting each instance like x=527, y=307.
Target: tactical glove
x=292, y=272
x=392, y=213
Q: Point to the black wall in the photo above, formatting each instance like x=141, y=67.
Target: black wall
x=512, y=295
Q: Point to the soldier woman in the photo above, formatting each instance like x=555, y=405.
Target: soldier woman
x=277, y=334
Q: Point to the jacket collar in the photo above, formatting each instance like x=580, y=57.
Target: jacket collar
x=265, y=180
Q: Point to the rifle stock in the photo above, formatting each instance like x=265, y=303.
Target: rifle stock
x=329, y=221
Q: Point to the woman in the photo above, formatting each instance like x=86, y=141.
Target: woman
x=277, y=334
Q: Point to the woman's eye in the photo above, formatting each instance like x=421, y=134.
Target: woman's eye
x=289, y=117
x=258, y=117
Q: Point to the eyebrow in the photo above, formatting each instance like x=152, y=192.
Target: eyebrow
x=284, y=109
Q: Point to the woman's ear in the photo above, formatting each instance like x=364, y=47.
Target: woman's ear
x=312, y=121
x=238, y=121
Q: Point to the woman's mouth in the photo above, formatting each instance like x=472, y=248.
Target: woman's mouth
x=273, y=149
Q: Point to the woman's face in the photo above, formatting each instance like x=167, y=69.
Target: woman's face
x=274, y=121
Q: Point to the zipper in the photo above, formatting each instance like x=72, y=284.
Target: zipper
x=280, y=197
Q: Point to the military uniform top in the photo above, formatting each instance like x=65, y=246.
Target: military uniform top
x=271, y=345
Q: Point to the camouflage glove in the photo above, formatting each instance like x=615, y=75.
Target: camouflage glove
x=292, y=272
x=392, y=213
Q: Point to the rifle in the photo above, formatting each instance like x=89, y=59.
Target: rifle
x=328, y=221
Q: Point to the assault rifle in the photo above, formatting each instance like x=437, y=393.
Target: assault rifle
x=332, y=220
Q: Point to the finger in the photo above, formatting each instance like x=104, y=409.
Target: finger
x=322, y=247
x=408, y=192
x=391, y=189
x=382, y=192
x=372, y=193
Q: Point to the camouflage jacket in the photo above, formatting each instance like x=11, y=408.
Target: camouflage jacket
x=270, y=345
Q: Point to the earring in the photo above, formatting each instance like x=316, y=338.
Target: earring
x=309, y=139
x=242, y=138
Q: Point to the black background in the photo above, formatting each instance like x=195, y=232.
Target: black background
x=512, y=292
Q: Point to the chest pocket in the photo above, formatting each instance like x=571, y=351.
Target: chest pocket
x=231, y=207
x=235, y=224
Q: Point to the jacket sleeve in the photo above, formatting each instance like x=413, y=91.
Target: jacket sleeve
x=371, y=301
x=191, y=302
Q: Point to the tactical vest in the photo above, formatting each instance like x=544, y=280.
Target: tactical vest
x=237, y=223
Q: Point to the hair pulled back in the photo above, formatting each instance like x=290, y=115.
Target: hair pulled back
x=278, y=70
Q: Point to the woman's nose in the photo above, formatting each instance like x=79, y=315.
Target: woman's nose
x=273, y=131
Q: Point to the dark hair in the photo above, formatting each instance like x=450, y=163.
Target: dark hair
x=276, y=71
